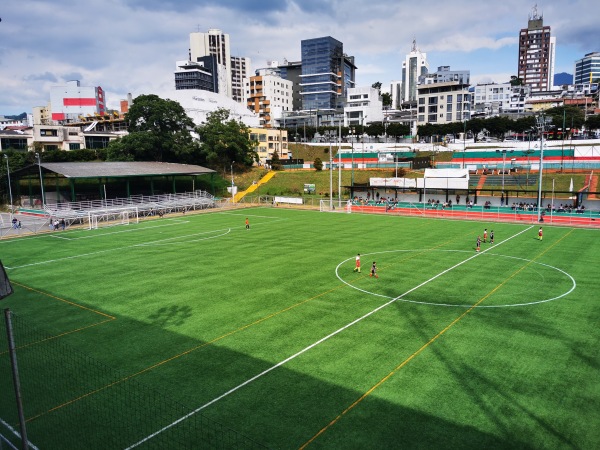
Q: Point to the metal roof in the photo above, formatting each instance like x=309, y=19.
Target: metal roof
x=122, y=169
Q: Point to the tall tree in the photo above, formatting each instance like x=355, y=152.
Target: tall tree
x=159, y=130
x=224, y=140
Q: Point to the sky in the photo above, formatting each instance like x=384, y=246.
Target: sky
x=131, y=46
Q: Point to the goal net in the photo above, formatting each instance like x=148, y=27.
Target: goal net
x=335, y=206
x=109, y=218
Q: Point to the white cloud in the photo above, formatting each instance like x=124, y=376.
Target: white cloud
x=132, y=45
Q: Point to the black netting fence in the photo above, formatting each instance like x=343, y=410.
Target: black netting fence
x=72, y=401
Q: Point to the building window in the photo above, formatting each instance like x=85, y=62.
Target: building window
x=73, y=146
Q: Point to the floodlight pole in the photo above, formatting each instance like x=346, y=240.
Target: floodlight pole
x=12, y=209
x=39, y=160
x=541, y=123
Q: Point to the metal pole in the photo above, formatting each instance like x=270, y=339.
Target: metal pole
x=37, y=155
x=340, y=173
x=352, y=173
x=16, y=382
x=539, y=202
x=330, y=177
x=464, y=142
x=232, y=193
x=12, y=209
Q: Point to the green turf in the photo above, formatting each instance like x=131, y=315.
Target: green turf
x=157, y=319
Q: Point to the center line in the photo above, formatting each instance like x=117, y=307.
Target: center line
x=320, y=341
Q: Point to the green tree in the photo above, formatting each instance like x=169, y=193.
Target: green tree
x=224, y=140
x=159, y=130
x=593, y=122
x=377, y=85
x=275, y=161
x=318, y=164
x=386, y=100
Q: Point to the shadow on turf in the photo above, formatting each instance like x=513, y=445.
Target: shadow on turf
x=171, y=315
x=517, y=408
x=283, y=409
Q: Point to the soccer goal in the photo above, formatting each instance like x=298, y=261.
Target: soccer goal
x=335, y=206
x=109, y=218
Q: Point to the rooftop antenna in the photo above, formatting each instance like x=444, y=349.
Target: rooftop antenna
x=414, y=44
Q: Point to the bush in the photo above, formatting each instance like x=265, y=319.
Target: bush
x=318, y=164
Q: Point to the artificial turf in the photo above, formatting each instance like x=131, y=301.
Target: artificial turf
x=269, y=332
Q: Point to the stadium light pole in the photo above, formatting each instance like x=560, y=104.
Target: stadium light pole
x=464, y=140
x=12, y=209
x=541, y=121
x=39, y=160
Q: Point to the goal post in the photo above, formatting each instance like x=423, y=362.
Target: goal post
x=335, y=206
x=110, y=218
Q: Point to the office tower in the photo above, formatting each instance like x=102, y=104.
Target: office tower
x=536, y=54
x=327, y=73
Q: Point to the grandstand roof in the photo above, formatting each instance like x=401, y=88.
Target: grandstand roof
x=122, y=169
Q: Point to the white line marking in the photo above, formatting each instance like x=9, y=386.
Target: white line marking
x=227, y=231
x=313, y=345
x=574, y=283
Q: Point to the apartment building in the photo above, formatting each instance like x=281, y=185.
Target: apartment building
x=269, y=96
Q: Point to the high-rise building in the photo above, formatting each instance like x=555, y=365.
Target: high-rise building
x=536, y=54
x=443, y=102
x=414, y=66
x=71, y=101
x=292, y=71
x=240, y=68
x=201, y=74
x=234, y=68
x=327, y=74
x=269, y=96
x=587, y=69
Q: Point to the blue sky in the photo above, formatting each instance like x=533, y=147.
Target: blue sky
x=132, y=45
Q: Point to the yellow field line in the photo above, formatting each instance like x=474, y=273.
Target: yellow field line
x=423, y=347
x=62, y=300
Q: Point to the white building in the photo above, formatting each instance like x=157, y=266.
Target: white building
x=72, y=101
x=440, y=103
x=269, y=96
x=363, y=105
x=415, y=65
x=491, y=99
x=240, y=69
x=198, y=104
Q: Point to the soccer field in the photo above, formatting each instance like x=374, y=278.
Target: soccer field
x=192, y=331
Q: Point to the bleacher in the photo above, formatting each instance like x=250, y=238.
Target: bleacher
x=143, y=205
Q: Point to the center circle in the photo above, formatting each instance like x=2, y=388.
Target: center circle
x=401, y=298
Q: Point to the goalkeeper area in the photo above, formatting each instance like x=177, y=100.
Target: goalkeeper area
x=192, y=331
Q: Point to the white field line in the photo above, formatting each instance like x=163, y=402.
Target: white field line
x=314, y=344
x=94, y=236
x=159, y=242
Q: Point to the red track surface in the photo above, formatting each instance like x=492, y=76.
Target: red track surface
x=578, y=220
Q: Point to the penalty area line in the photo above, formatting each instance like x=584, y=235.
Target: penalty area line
x=313, y=345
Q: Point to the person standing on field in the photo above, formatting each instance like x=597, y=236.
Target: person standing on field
x=491, y=236
x=247, y=224
x=357, y=267
x=484, y=235
x=540, y=234
x=374, y=270
x=478, y=244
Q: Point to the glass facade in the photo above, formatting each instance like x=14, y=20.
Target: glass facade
x=321, y=71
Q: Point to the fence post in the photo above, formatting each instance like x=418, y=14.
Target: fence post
x=16, y=382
